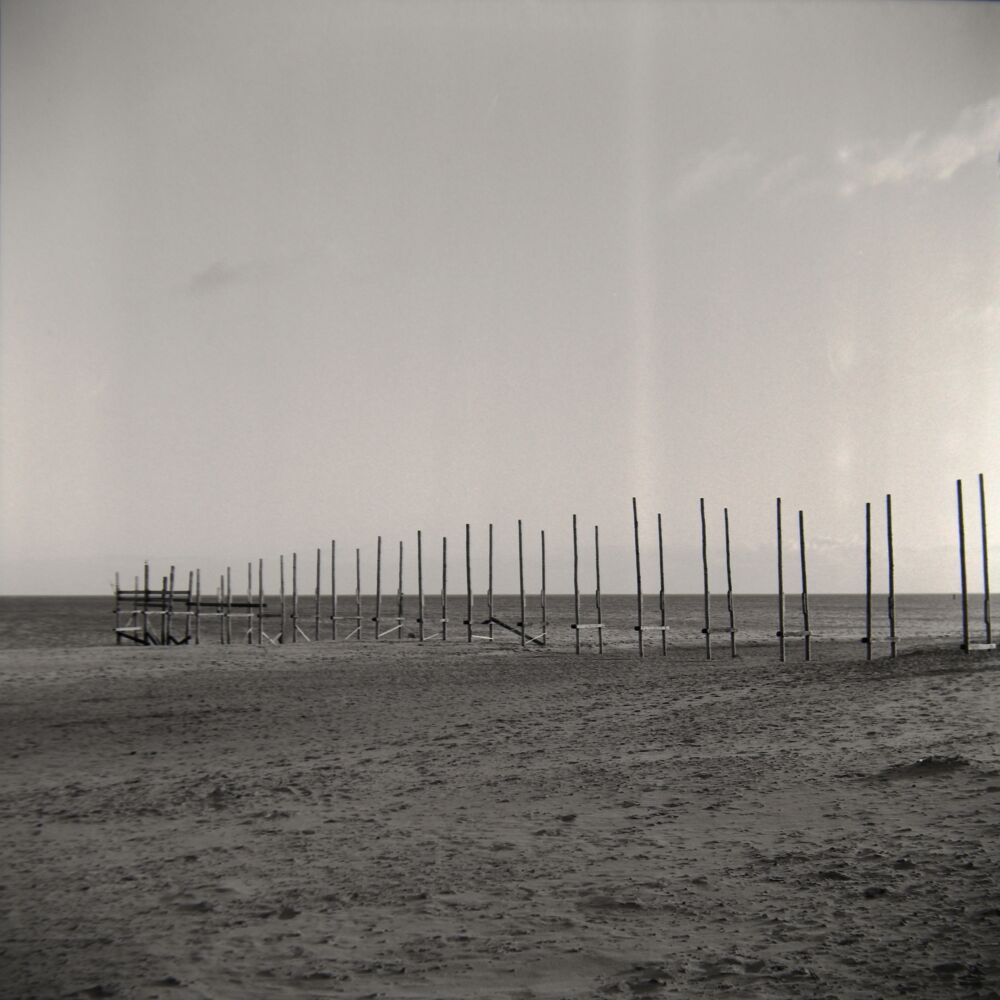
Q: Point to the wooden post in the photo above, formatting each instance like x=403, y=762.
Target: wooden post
x=168, y=613
x=892, y=576
x=378, y=587
x=420, y=586
x=316, y=621
x=249, y=603
x=163, y=613
x=638, y=576
x=520, y=565
x=444, y=589
x=663, y=585
x=868, y=580
x=961, y=557
x=781, y=593
x=399, y=597
x=260, y=602
x=118, y=613
x=229, y=606
x=545, y=616
x=197, y=607
x=729, y=588
x=576, y=591
x=295, y=596
x=357, y=589
x=489, y=592
x=704, y=573
x=986, y=563
x=807, y=637
x=468, y=585
x=597, y=590
x=187, y=616
x=333, y=590
x=145, y=604
x=281, y=581
x=220, y=607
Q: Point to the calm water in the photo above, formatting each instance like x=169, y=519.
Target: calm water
x=27, y=622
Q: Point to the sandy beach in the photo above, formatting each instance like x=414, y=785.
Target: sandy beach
x=390, y=820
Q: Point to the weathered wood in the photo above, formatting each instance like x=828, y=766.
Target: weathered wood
x=663, y=584
x=333, y=589
x=197, y=607
x=399, y=595
x=357, y=590
x=250, y=604
x=316, y=621
x=545, y=615
x=729, y=588
x=420, y=587
x=378, y=587
x=489, y=583
x=187, y=607
x=987, y=621
x=638, y=577
x=520, y=567
x=576, y=589
x=517, y=629
x=597, y=591
x=781, y=592
x=169, y=616
x=891, y=604
x=118, y=612
x=281, y=581
x=468, y=584
x=229, y=606
x=221, y=604
x=295, y=596
x=145, y=600
x=807, y=635
x=260, y=602
x=961, y=558
x=704, y=572
x=444, y=589
x=868, y=580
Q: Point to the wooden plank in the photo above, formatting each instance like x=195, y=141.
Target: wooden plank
x=729, y=588
x=961, y=557
x=576, y=589
x=704, y=572
x=638, y=576
x=597, y=590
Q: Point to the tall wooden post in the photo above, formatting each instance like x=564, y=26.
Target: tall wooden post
x=597, y=590
x=281, y=583
x=169, y=613
x=163, y=613
x=229, y=605
x=316, y=612
x=729, y=588
x=260, y=602
x=420, y=586
x=781, y=593
x=704, y=573
x=220, y=607
x=145, y=604
x=545, y=616
x=118, y=612
x=444, y=589
x=961, y=557
x=520, y=566
x=868, y=580
x=663, y=585
x=399, y=598
x=468, y=584
x=333, y=589
x=892, y=576
x=986, y=563
x=295, y=596
x=638, y=576
x=576, y=590
x=357, y=590
x=807, y=635
x=187, y=616
x=378, y=588
x=249, y=603
x=489, y=592
x=197, y=607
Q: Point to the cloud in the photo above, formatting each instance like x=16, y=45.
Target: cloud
x=711, y=169
x=923, y=157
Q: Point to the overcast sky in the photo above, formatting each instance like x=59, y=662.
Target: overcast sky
x=276, y=273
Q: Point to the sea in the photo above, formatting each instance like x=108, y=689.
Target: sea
x=66, y=622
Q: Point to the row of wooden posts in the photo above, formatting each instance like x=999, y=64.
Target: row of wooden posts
x=169, y=603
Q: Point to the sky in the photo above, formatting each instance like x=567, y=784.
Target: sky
x=276, y=274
